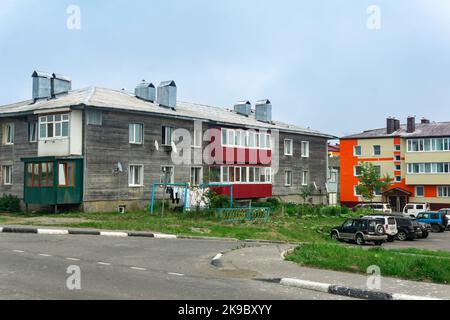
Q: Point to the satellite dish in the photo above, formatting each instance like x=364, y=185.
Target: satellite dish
x=119, y=167
x=174, y=147
x=156, y=145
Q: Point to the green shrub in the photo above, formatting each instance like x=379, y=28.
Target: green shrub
x=9, y=203
x=217, y=201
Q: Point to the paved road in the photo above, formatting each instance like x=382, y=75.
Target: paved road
x=34, y=267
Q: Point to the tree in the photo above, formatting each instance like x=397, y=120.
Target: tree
x=370, y=181
x=306, y=192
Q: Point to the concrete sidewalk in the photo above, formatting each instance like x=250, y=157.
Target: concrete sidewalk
x=268, y=261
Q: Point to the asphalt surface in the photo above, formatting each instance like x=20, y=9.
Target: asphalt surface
x=35, y=267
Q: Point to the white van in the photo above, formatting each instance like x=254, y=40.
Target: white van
x=375, y=207
x=413, y=209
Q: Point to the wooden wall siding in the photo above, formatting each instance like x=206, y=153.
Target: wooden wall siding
x=316, y=164
x=108, y=144
x=12, y=154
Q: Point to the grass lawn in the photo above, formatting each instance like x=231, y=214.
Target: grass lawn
x=393, y=263
x=283, y=228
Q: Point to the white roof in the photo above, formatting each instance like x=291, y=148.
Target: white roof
x=120, y=100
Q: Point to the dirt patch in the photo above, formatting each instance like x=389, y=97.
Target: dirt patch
x=44, y=221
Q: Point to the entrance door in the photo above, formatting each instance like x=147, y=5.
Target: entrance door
x=394, y=204
x=402, y=202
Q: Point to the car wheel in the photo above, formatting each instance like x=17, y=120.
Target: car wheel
x=359, y=240
x=425, y=235
x=402, y=236
x=334, y=236
x=435, y=228
x=390, y=238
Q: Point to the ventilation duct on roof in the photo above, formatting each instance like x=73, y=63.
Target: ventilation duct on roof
x=390, y=125
x=60, y=84
x=243, y=107
x=145, y=91
x=263, y=111
x=411, y=125
x=42, y=85
x=167, y=94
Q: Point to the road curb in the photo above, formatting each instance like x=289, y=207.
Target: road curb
x=347, y=291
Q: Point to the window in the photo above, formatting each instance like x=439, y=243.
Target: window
x=54, y=126
x=378, y=193
x=167, y=174
x=32, y=132
x=136, y=176
x=443, y=192
x=7, y=173
x=420, y=191
x=224, y=137
x=251, y=175
x=288, y=147
x=214, y=174
x=397, y=147
x=398, y=178
x=136, y=133
x=376, y=150
x=305, y=149
x=357, y=171
x=244, y=171
x=198, y=137
x=377, y=170
x=167, y=135
x=225, y=175
x=252, y=143
x=398, y=158
x=398, y=167
x=8, y=133
x=428, y=145
x=40, y=174
x=357, y=151
x=429, y=168
x=66, y=174
x=94, y=117
x=288, y=178
x=305, y=178
x=196, y=176
x=357, y=191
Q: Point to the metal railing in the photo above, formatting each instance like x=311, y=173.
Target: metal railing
x=243, y=214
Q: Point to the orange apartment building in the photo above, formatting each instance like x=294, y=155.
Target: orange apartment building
x=415, y=155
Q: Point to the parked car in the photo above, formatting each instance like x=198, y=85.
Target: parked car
x=389, y=223
x=361, y=231
x=375, y=207
x=408, y=228
x=426, y=229
x=413, y=209
x=437, y=220
x=446, y=211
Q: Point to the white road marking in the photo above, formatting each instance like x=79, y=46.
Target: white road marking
x=53, y=232
x=165, y=236
x=139, y=269
x=44, y=255
x=73, y=259
x=176, y=274
x=19, y=251
x=114, y=234
x=104, y=263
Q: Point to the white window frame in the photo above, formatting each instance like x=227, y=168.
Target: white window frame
x=287, y=174
x=355, y=192
x=33, y=129
x=417, y=194
x=305, y=178
x=8, y=134
x=398, y=167
x=354, y=171
x=397, y=147
x=398, y=178
x=7, y=177
x=375, y=146
x=168, y=135
x=43, y=121
x=131, y=175
x=355, y=153
x=94, y=117
x=172, y=170
x=305, y=149
x=132, y=130
x=194, y=175
x=288, y=144
x=445, y=193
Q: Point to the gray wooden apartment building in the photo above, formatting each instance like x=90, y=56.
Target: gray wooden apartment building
x=96, y=149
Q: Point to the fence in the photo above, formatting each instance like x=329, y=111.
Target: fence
x=243, y=214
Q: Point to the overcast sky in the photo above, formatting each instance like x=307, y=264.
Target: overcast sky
x=317, y=61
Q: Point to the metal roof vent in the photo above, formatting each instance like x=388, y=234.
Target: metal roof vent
x=263, y=110
x=145, y=91
x=42, y=83
x=411, y=125
x=243, y=107
x=167, y=94
x=60, y=84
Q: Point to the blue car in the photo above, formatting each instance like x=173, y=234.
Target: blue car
x=437, y=220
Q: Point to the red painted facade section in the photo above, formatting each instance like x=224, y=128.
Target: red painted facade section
x=247, y=191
